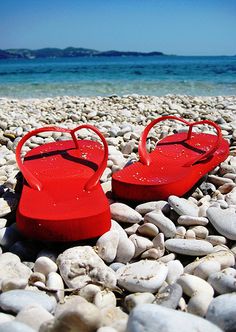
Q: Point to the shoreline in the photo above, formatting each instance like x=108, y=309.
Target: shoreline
x=198, y=254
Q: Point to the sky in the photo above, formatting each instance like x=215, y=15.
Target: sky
x=182, y=27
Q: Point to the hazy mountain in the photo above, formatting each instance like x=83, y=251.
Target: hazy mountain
x=24, y=53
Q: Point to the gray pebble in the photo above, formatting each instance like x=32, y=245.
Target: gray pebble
x=222, y=311
x=153, y=317
x=169, y=297
x=16, y=300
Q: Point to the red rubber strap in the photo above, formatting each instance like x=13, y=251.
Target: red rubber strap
x=34, y=182
x=144, y=156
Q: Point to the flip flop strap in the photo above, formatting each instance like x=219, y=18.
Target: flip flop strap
x=34, y=182
x=144, y=156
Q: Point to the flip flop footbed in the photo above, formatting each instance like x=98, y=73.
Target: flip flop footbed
x=167, y=173
x=62, y=210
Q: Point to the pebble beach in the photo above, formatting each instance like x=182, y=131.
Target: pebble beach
x=163, y=266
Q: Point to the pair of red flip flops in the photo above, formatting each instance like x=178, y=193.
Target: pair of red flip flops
x=62, y=199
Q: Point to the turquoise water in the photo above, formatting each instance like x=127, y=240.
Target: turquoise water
x=161, y=75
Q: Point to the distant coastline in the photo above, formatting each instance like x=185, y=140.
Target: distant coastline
x=69, y=52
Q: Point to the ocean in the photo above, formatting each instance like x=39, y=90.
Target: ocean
x=91, y=76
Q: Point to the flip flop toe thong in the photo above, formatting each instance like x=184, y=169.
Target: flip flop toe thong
x=62, y=199
x=177, y=163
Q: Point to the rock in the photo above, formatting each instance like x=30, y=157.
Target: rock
x=5, y=318
x=55, y=282
x=83, y=318
x=12, y=268
x=153, y=317
x=142, y=276
x=201, y=232
x=132, y=300
x=114, y=317
x=169, y=296
x=222, y=312
x=175, y=269
x=89, y=292
x=125, y=250
x=182, y=206
x=107, y=245
x=16, y=300
x=226, y=228
x=206, y=268
x=44, y=265
x=17, y=283
x=223, y=281
x=80, y=265
x=199, y=291
x=8, y=236
x=123, y=213
x=163, y=223
x=151, y=206
x=104, y=298
x=15, y=326
x=159, y=244
x=189, y=247
x=148, y=229
x=224, y=257
x=141, y=244
x=190, y=221
x=33, y=316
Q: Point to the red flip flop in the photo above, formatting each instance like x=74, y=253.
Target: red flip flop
x=62, y=199
x=176, y=164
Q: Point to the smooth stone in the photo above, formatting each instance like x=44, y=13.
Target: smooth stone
x=222, y=312
x=151, y=206
x=152, y=253
x=116, y=265
x=159, y=244
x=55, y=282
x=167, y=258
x=190, y=234
x=16, y=300
x=216, y=239
x=175, y=269
x=148, y=229
x=3, y=222
x=224, y=257
x=115, y=226
x=180, y=232
x=200, y=231
x=142, y=276
x=157, y=218
x=114, y=317
x=15, y=326
x=83, y=318
x=169, y=296
x=89, y=291
x=189, y=247
x=206, y=268
x=132, y=229
x=132, y=300
x=141, y=244
x=218, y=181
x=45, y=265
x=17, y=283
x=226, y=228
x=106, y=329
x=37, y=276
x=107, y=245
x=190, y=221
x=6, y=318
x=125, y=251
x=33, y=316
x=104, y=298
x=12, y=268
x=72, y=301
x=223, y=281
x=153, y=317
x=182, y=206
x=199, y=291
x=81, y=265
x=123, y=213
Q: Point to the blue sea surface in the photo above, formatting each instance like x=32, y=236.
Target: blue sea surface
x=91, y=76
